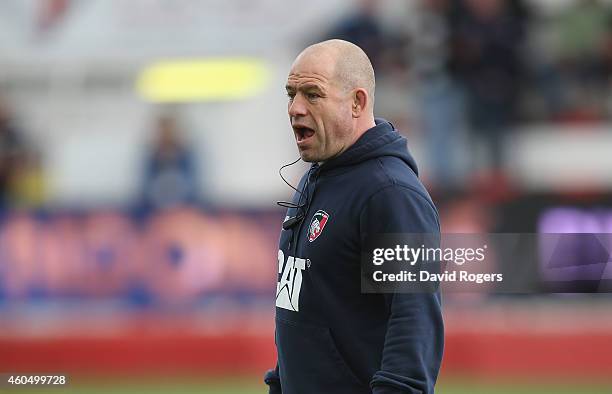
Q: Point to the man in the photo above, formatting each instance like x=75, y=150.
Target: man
x=330, y=337
x=12, y=147
x=170, y=177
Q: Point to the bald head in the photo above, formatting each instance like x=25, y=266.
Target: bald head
x=331, y=98
x=352, y=68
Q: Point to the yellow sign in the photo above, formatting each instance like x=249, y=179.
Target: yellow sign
x=220, y=79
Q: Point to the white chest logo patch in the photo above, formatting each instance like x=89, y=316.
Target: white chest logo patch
x=317, y=224
x=290, y=284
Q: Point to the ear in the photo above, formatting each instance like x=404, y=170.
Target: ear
x=360, y=102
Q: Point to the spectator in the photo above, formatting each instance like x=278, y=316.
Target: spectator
x=12, y=151
x=170, y=175
x=488, y=37
x=364, y=29
x=440, y=100
x=582, y=30
x=606, y=56
x=27, y=183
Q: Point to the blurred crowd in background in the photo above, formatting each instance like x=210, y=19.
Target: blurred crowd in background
x=478, y=69
x=168, y=173
x=460, y=75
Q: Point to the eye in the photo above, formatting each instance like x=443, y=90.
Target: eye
x=291, y=95
x=312, y=96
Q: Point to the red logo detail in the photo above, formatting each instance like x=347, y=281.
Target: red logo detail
x=318, y=222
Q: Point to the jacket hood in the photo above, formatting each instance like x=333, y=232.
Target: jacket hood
x=381, y=140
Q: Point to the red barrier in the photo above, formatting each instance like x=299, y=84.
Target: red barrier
x=140, y=354
x=480, y=354
x=529, y=354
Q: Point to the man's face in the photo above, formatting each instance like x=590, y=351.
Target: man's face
x=319, y=109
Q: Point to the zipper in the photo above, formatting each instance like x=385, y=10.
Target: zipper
x=309, y=200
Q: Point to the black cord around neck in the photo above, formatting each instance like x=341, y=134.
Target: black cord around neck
x=290, y=204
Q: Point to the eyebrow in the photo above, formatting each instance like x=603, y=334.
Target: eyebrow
x=307, y=86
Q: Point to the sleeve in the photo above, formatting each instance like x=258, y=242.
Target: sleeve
x=272, y=379
x=414, y=339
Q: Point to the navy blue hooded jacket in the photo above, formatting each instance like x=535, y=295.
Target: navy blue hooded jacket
x=330, y=337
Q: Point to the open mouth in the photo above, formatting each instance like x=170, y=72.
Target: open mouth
x=302, y=133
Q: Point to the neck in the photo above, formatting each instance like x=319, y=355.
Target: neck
x=363, y=124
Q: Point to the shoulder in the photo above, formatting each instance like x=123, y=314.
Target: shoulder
x=391, y=176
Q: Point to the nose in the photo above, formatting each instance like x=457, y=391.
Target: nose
x=297, y=107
